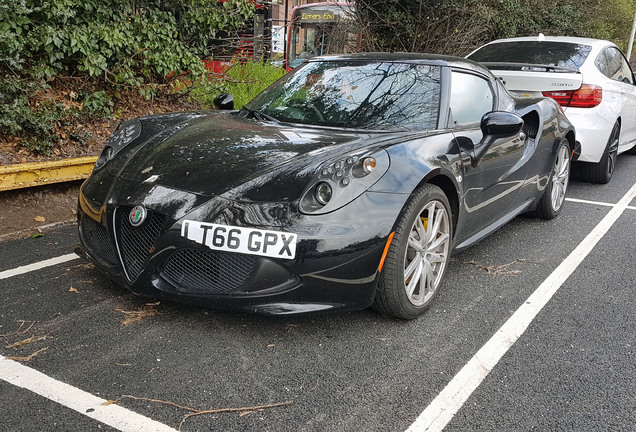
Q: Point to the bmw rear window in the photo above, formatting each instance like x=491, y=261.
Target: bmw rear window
x=560, y=54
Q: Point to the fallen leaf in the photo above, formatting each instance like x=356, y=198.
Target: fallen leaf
x=27, y=358
x=19, y=330
x=137, y=315
x=72, y=290
x=29, y=340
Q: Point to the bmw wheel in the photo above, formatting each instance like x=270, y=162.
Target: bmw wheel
x=417, y=257
x=554, y=195
x=602, y=171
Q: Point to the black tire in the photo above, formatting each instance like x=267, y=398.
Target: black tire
x=602, y=172
x=415, y=266
x=553, y=196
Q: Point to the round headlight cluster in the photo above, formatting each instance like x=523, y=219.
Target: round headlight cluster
x=341, y=181
x=323, y=193
x=125, y=133
x=339, y=174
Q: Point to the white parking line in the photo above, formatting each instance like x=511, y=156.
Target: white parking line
x=76, y=399
x=442, y=409
x=603, y=204
x=65, y=394
x=39, y=265
x=434, y=418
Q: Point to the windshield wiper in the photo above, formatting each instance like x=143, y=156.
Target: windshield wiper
x=259, y=115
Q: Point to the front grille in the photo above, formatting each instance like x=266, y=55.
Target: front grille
x=136, y=242
x=200, y=271
x=96, y=238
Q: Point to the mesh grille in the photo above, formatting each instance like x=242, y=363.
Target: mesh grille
x=136, y=242
x=531, y=124
x=96, y=238
x=201, y=271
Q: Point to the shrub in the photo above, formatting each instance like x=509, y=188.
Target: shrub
x=114, y=43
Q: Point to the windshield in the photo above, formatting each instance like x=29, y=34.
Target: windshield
x=378, y=96
x=560, y=54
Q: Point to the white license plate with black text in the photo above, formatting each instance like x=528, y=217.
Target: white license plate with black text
x=275, y=244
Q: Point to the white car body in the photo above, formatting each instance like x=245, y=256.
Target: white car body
x=593, y=125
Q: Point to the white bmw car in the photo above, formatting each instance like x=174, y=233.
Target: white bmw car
x=591, y=80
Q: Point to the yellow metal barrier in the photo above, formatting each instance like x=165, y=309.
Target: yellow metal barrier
x=18, y=176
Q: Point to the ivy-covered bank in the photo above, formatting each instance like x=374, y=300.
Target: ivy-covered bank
x=66, y=61
x=70, y=69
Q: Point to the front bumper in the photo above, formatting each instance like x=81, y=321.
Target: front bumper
x=335, y=267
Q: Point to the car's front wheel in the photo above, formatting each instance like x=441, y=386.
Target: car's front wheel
x=418, y=255
x=553, y=197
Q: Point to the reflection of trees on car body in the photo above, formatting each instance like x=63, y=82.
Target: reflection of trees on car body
x=382, y=96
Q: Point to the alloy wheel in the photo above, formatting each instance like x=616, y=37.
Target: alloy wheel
x=427, y=253
x=560, y=178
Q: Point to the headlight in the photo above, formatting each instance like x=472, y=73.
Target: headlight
x=125, y=133
x=323, y=193
x=337, y=183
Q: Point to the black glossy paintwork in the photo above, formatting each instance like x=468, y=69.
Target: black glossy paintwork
x=223, y=168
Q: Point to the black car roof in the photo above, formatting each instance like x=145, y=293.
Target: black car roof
x=432, y=59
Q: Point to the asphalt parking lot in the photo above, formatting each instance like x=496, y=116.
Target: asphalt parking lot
x=534, y=329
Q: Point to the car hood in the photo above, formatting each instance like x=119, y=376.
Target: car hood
x=217, y=153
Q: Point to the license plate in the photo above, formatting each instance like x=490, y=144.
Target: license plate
x=275, y=244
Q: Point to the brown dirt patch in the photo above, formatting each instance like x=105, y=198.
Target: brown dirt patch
x=25, y=211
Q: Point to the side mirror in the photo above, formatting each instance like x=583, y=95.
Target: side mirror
x=496, y=125
x=224, y=101
x=500, y=124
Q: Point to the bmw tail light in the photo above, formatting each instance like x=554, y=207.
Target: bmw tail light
x=587, y=96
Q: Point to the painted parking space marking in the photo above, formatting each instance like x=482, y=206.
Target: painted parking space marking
x=603, y=204
x=36, y=266
x=448, y=402
x=65, y=394
x=78, y=400
x=434, y=418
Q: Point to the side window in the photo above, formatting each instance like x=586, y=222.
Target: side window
x=617, y=67
x=471, y=97
x=601, y=64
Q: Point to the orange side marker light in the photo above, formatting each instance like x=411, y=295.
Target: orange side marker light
x=386, y=250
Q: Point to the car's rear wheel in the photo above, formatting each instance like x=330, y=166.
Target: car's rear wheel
x=554, y=195
x=418, y=255
x=602, y=172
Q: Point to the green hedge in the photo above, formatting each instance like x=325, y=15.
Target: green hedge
x=114, y=43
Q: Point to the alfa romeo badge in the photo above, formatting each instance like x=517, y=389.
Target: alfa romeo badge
x=137, y=216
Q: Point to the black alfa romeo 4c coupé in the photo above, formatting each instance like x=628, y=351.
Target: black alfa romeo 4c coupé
x=346, y=184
